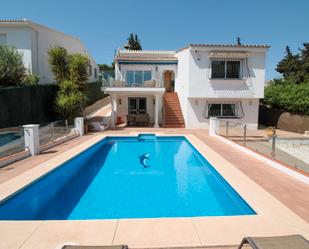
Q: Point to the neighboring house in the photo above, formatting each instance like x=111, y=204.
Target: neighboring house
x=34, y=40
x=185, y=88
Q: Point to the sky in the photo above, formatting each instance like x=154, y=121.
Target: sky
x=103, y=26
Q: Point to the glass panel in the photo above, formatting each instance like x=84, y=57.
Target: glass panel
x=130, y=77
x=218, y=69
x=132, y=105
x=232, y=70
x=2, y=39
x=228, y=110
x=147, y=75
x=11, y=141
x=142, y=105
x=214, y=110
x=138, y=77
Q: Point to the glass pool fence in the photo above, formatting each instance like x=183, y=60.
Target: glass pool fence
x=12, y=139
x=286, y=147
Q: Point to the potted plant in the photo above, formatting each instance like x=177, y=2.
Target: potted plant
x=270, y=131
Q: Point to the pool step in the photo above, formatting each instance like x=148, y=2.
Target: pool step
x=147, y=137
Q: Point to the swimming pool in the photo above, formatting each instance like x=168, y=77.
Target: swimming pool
x=129, y=177
x=8, y=137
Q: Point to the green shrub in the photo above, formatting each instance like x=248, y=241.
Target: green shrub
x=31, y=80
x=12, y=68
x=69, y=101
x=288, y=96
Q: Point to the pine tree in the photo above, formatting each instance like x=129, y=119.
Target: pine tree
x=290, y=67
x=304, y=57
x=133, y=42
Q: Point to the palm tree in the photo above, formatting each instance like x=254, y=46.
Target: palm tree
x=58, y=61
x=78, y=68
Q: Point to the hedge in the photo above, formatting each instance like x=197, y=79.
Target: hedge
x=290, y=97
x=21, y=105
x=93, y=92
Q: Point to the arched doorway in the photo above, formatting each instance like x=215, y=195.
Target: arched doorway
x=169, y=81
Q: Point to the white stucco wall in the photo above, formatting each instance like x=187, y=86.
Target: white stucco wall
x=48, y=38
x=33, y=41
x=182, y=80
x=201, y=84
x=195, y=117
x=194, y=85
x=21, y=39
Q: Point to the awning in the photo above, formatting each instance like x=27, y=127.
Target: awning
x=148, y=62
x=227, y=54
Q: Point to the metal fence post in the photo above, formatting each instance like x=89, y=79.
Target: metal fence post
x=66, y=127
x=51, y=129
x=227, y=129
x=245, y=135
x=273, y=147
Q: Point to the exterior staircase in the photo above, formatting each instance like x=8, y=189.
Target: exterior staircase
x=172, y=113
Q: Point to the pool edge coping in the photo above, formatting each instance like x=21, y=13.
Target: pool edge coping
x=269, y=210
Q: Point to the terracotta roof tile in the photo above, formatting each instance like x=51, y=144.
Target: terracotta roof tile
x=226, y=46
x=9, y=21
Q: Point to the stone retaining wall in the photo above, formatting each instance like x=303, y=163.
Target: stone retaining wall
x=283, y=120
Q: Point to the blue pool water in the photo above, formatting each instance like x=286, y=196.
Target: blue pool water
x=8, y=137
x=126, y=177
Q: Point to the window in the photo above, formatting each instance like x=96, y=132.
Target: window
x=225, y=69
x=137, y=106
x=90, y=70
x=222, y=110
x=137, y=77
x=3, y=39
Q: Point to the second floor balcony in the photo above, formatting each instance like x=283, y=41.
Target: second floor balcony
x=140, y=79
x=121, y=83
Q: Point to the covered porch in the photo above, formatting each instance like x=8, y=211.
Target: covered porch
x=136, y=106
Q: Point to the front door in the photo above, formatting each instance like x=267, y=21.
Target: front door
x=137, y=106
x=168, y=81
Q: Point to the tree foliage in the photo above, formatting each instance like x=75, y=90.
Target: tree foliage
x=71, y=72
x=12, y=70
x=58, y=61
x=31, y=80
x=288, y=96
x=295, y=68
x=134, y=42
x=67, y=66
x=77, y=68
x=70, y=101
x=105, y=67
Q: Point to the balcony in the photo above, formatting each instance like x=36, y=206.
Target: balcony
x=118, y=86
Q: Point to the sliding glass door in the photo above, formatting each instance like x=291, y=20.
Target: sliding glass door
x=137, y=106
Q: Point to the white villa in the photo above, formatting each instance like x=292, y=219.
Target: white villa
x=33, y=41
x=185, y=88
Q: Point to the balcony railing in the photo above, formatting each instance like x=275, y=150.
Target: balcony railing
x=120, y=83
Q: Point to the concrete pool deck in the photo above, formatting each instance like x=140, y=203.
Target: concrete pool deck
x=261, y=186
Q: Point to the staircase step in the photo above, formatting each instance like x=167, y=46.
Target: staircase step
x=174, y=126
x=173, y=116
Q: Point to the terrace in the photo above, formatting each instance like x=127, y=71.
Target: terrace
x=262, y=186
